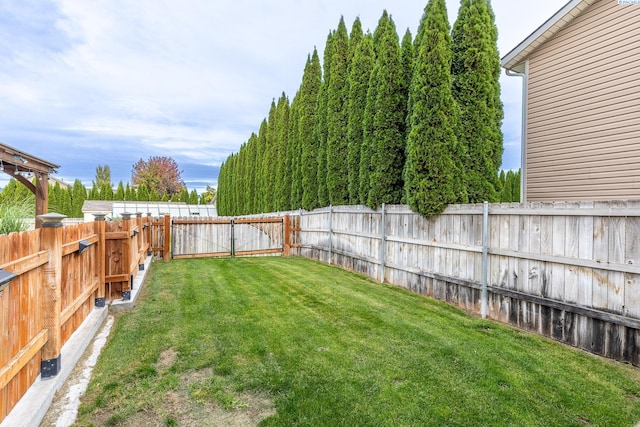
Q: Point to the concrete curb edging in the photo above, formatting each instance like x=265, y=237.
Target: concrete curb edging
x=33, y=406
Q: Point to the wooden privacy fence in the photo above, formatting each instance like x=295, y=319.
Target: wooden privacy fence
x=222, y=237
x=568, y=271
x=52, y=278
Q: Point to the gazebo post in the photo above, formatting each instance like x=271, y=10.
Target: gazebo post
x=42, y=196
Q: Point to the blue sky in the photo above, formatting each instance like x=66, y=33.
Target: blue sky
x=108, y=82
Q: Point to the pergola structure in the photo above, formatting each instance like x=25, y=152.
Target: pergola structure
x=24, y=167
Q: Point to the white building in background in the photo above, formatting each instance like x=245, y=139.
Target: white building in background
x=115, y=209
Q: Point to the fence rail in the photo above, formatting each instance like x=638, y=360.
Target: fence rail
x=569, y=271
x=54, y=277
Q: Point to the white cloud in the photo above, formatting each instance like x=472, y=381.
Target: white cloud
x=190, y=78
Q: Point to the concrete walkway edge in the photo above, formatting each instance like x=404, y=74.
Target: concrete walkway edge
x=33, y=406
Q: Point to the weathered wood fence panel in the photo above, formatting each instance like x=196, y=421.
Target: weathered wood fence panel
x=215, y=237
x=569, y=271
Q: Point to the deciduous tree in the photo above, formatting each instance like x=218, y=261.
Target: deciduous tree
x=159, y=173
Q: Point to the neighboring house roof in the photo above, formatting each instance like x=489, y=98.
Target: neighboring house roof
x=515, y=60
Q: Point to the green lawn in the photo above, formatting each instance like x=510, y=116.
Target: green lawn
x=211, y=337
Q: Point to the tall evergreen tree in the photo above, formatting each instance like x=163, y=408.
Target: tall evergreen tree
x=337, y=119
x=388, y=148
x=221, y=199
x=321, y=128
x=258, y=202
x=359, y=75
x=106, y=191
x=282, y=187
x=94, y=193
x=268, y=167
x=309, y=93
x=431, y=181
x=119, y=194
x=294, y=161
x=193, y=197
x=408, y=61
x=476, y=88
x=366, y=150
x=78, y=196
x=252, y=146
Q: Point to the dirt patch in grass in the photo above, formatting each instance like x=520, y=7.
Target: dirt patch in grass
x=180, y=408
x=166, y=359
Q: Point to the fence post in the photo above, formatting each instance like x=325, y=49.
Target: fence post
x=233, y=240
x=100, y=228
x=287, y=235
x=147, y=226
x=126, y=255
x=383, y=245
x=140, y=255
x=166, y=242
x=52, y=293
x=485, y=257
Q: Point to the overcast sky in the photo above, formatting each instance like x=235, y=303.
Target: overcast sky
x=107, y=82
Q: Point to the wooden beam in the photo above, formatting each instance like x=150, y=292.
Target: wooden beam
x=20, y=360
x=27, y=263
x=70, y=310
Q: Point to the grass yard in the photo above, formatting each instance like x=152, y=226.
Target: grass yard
x=290, y=341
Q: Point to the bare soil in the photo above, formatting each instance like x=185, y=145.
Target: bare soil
x=177, y=408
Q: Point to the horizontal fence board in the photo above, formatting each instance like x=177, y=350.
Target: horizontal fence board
x=20, y=360
x=26, y=263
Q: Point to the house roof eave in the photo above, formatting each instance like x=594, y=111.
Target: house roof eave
x=515, y=59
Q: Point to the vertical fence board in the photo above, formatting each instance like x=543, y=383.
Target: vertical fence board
x=601, y=255
x=632, y=257
x=615, y=285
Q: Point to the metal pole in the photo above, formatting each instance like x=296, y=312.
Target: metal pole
x=233, y=240
x=485, y=257
x=383, y=244
x=330, y=233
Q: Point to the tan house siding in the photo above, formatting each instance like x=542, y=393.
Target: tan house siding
x=583, y=117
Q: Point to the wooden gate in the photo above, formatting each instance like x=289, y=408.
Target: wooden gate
x=223, y=237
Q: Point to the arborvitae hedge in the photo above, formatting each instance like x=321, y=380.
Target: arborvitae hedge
x=321, y=127
x=378, y=122
x=359, y=75
x=309, y=93
x=430, y=170
x=337, y=119
x=388, y=146
x=476, y=73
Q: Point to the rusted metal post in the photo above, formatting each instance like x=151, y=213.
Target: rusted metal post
x=51, y=241
x=100, y=228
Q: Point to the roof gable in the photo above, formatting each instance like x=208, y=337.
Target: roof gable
x=515, y=59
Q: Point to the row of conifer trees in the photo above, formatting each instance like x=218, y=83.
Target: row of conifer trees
x=415, y=121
